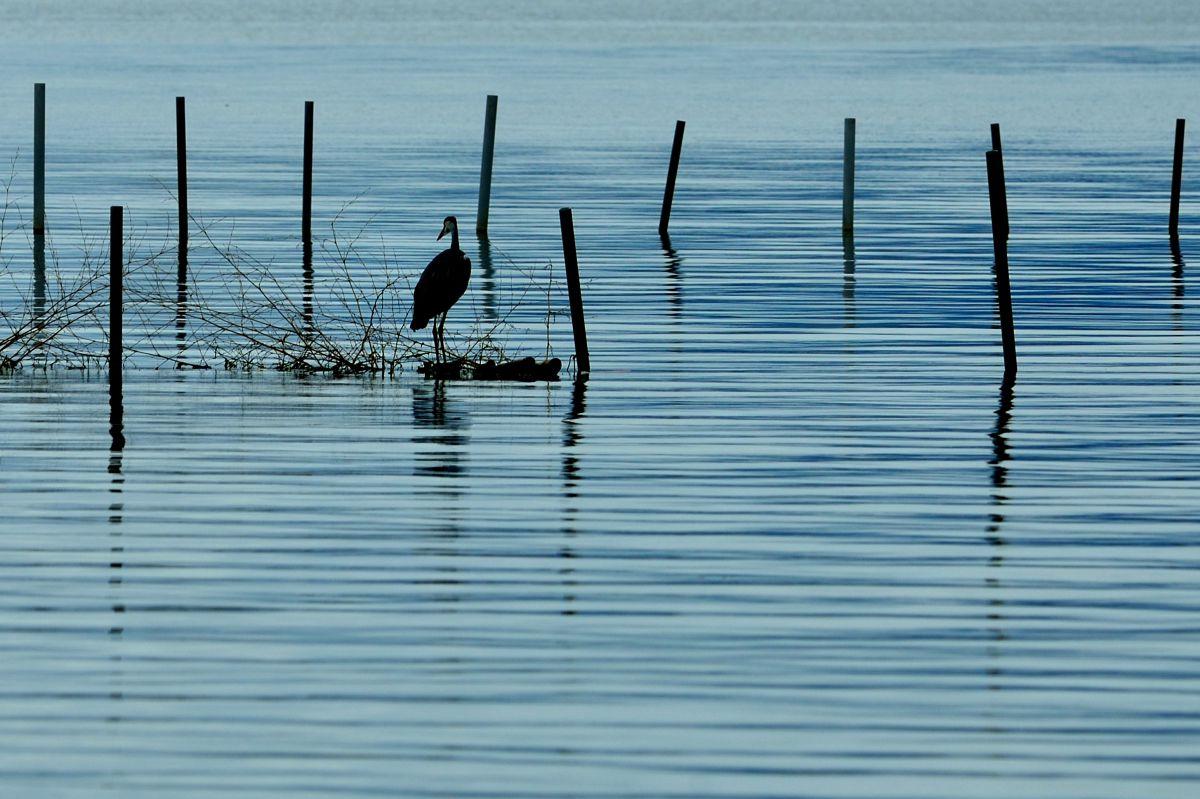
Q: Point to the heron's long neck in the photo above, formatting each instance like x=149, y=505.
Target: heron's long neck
x=454, y=238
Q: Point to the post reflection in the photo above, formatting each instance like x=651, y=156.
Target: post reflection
x=1177, y=282
x=116, y=412
x=572, y=437
x=1001, y=457
x=848, y=266
x=307, y=297
x=439, y=437
x=181, y=299
x=673, y=264
x=116, y=555
x=39, y=277
x=487, y=279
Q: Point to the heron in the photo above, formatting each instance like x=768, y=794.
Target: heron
x=440, y=286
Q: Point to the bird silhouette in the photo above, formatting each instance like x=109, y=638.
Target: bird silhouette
x=440, y=286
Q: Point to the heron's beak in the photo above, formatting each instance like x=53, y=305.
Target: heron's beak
x=443, y=233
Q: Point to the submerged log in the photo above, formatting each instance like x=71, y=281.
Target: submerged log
x=450, y=370
x=523, y=369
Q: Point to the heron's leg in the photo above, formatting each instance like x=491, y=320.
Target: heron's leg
x=442, y=334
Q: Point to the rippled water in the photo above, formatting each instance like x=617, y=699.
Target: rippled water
x=793, y=537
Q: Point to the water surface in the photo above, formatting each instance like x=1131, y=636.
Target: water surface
x=793, y=537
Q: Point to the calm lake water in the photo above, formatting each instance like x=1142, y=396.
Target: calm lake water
x=793, y=537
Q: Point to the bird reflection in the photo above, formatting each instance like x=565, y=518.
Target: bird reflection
x=440, y=441
x=1177, y=281
x=848, y=278
x=441, y=420
x=674, y=277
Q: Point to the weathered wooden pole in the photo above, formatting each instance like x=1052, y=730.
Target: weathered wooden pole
x=848, y=177
x=115, y=293
x=999, y=205
x=582, y=361
x=306, y=208
x=39, y=159
x=1003, y=199
x=485, y=166
x=181, y=172
x=669, y=193
x=306, y=221
x=116, y=390
x=1176, y=180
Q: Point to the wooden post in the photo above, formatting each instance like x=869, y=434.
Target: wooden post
x=115, y=306
x=306, y=212
x=1003, y=197
x=583, y=362
x=485, y=166
x=848, y=177
x=39, y=159
x=669, y=193
x=1176, y=180
x=996, y=196
x=181, y=172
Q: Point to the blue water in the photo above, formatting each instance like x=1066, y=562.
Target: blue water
x=792, y=537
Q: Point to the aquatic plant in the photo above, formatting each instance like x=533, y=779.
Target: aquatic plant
x=231, y=309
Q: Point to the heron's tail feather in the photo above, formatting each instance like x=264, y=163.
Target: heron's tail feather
x=418, y=323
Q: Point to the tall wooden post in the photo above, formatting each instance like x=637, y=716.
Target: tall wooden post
x=848, y=177
x=1176, y=180
x=664, y=220
x=115, y=293
x=999, y=205
x=181, y=173
x=583, y=362
x=485, y=166
x=306, y=207
x=39, y=159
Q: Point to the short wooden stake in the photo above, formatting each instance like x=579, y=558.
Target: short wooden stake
x=115, y=292
x=39, y=159
x=181, y=172
x=582, y=361
x=996, y=196
x=1176, y=180
x=669, y=193
x=848, y=177
x=306, y=208
x=485, y=166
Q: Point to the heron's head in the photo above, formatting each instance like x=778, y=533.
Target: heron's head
x=448, y=226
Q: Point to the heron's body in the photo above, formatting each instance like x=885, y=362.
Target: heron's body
x=441, y=285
